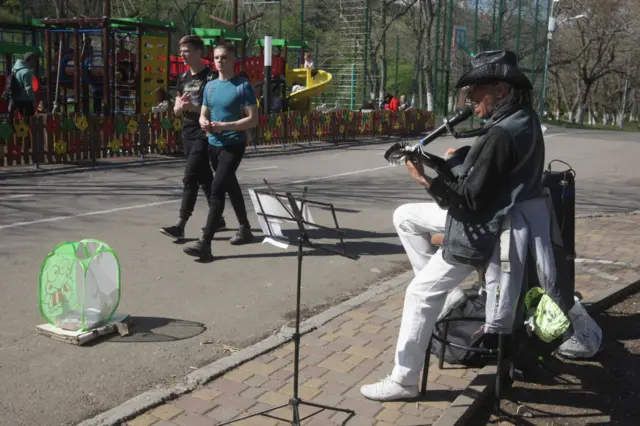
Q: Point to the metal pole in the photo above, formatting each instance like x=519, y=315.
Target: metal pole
x=280, y=19
x=352, y=101
x=493, y=25
x=366, y=51
x=475, y=31
x=535, y=39
x=449, y=37
x=435, y=67
x=443, y=54
x=518, y=27
x=235, y=16
x=499, y=37
x=267, y=75
x=397, y=61
x=551, y=26
x=544, y=77
x=475, y=44
x=24, y=20
x=47, y=72
x=302, y=21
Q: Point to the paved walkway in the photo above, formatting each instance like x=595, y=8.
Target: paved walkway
x=357, y=347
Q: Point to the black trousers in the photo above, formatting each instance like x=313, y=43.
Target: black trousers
x=225, y=161
x=197, y=173
x=25, y=108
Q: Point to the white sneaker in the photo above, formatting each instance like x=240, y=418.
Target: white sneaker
x=388, y=390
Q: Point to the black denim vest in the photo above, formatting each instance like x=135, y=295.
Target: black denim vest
x=470, y=236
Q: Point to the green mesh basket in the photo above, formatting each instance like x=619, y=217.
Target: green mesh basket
x=79, y=285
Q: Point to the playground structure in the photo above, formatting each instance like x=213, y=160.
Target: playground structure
x=75, y=77
x=138, y=64
x=310, y=83
x=76, y=135
x=314, y=82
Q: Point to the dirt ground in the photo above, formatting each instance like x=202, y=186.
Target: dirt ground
x=602, y=390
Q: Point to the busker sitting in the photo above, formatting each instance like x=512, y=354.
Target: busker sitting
x=504, y=167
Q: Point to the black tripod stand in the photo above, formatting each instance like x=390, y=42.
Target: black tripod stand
x=296, y=210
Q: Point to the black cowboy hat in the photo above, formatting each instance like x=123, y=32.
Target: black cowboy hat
x=494, y=66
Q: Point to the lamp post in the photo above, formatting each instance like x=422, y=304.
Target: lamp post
x=553, y=23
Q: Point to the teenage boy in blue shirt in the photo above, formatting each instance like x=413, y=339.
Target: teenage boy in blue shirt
x=229, y=109
x=188, y=104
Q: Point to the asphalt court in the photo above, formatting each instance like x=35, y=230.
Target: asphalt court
x=189, y=313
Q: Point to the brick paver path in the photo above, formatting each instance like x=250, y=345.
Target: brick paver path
x=357, y=347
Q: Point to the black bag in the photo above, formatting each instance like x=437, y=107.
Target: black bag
x=465, y=333
x=10, y=88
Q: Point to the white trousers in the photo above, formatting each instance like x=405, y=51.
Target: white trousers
x=426, y=294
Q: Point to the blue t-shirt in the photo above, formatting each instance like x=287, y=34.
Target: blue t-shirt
x=226, y=100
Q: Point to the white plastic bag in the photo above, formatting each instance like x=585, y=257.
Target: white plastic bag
x=455, y=299
x=587, y=335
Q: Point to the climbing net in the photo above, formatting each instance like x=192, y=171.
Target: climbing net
x=343, y=56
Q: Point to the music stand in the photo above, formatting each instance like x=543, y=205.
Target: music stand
x=296, y=210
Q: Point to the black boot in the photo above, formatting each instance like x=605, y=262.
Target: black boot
x=243, y=236
x=221, y=225
x=201, y=249
x=176, y=231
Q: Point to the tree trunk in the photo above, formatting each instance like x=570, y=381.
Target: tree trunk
x=420, y=91
x=583, y=100
x=565, y=101
x=430, y=96
x=374, y=82
x=426, y=8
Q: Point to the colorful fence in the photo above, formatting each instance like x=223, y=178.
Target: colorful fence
x=66, y=138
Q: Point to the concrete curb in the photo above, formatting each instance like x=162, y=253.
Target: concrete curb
x=473, y=396
x=599, y=215
x=470, y=399
x=192, y=381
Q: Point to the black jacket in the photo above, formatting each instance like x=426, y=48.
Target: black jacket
x=504, y=166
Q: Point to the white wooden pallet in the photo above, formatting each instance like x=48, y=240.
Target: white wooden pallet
x=81, y=337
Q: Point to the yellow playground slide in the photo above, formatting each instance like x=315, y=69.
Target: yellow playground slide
x=312, y=86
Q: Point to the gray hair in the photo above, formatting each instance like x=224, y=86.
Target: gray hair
x=515, y=96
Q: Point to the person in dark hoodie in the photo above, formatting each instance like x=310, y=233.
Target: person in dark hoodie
x=24, y=97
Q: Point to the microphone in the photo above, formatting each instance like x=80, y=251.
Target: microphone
x=461, y=115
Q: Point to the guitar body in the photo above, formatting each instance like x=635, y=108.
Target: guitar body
x=451, y=167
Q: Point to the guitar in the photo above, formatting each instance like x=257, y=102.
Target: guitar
x=450, y=167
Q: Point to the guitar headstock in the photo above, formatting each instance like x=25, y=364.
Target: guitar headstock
x=399, y=152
